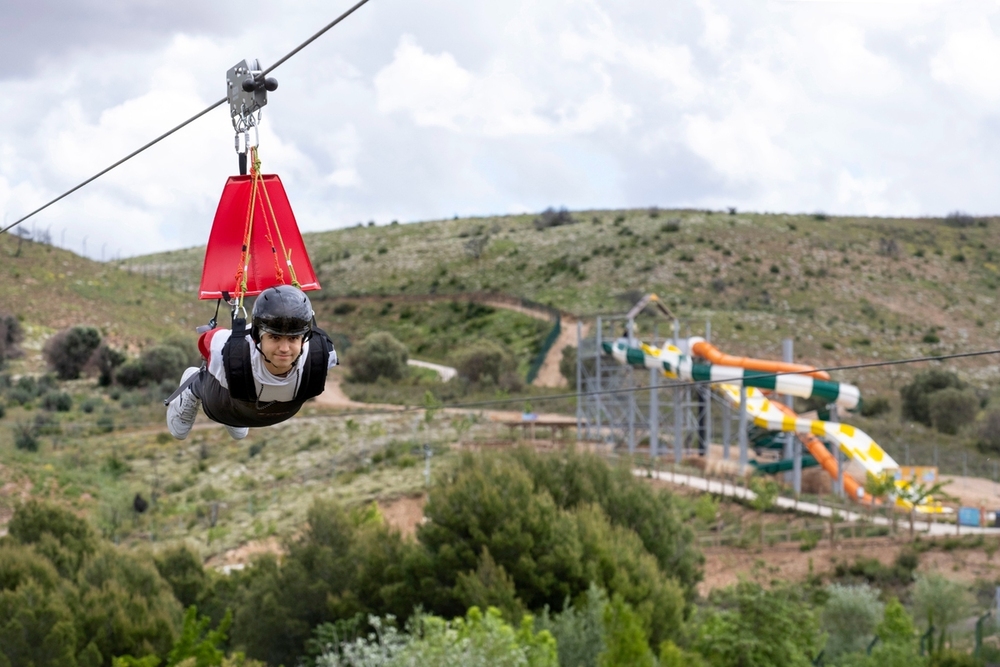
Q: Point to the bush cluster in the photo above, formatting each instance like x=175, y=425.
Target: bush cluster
x=155, y=365
x=509, y=539
x=875, y=406
x=517, y=533
x=938, y=398
x=484, y=361
x=68, y=351
x=69, y=599
x=11, y=334
x=378, y=355
x=552, y=217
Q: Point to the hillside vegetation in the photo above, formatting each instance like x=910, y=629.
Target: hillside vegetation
x=48, y=289
x=856, y=285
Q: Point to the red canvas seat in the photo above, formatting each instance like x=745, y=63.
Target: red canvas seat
x=273, y=235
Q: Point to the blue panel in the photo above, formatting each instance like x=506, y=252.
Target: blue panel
x=968, y=516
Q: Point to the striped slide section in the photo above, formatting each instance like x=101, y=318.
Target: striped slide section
x=683, y=367
x=852, y=441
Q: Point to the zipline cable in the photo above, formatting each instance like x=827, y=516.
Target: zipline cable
x=671, y=385
x=187, y=122
x=119, y=163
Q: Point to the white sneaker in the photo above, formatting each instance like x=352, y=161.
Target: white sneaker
x=237, y=432
x=183, y=410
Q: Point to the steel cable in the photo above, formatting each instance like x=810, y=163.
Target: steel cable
x=186, y=122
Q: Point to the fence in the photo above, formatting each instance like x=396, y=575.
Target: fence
x=550, y=340
x=809, y=533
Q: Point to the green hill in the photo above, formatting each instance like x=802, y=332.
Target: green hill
x=50, y=289
x=846, y=288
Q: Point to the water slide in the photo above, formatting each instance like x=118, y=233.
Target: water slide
x=727, y=373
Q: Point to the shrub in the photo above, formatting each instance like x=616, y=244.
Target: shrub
x=164, y=362
x=3, y=410
x=549, y=552
x=57, y=401
x=26, y=437
x=989, y=432
x=939, y=601
x=551, y=217
x=84, y=601
x=46, y=424
x=483, y=359
x=378, y=355
x=156, y=364
x=576, y=480
x=952, y=409
x=756, y=626
x=181, y=568
x=105, y=360
x=478, y=638
x=959, y=219
x=579, y=630
x=344, y=563
x=89, y=405
x=850, y=616
x=671, y=226
x=11, y=334
x=567, y=365
x=130, y=374
x=916, y=404
x=68, y=351
x=875, y=406
x=344, y=308
x=20, y=396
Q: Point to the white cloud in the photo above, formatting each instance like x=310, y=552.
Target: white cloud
x=968, y=61
x=420, y=111
x=717, y=27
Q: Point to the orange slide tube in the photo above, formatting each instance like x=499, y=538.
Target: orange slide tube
x=708, y=351
x=824, y=457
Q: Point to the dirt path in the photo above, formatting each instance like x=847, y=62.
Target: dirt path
x=549, y=375
x=333, y=396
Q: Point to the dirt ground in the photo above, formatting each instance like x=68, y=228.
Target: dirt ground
x=238, y=558
x=404, y=514
x=334, y=397
x=973, y=491
x=725, y=566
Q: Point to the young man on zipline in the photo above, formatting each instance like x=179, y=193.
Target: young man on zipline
x=256, y=378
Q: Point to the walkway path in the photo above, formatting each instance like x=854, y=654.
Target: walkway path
x=445, y=372
x=733, y=491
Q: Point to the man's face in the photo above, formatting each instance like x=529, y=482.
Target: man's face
x=280, y=352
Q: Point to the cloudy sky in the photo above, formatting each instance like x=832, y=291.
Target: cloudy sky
x=418, y=110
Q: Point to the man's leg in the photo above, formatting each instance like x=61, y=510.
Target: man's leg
x=183, y=410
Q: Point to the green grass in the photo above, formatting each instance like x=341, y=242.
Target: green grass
x=262, y=485
x=49, y=289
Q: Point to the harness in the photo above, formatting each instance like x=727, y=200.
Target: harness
x=239, y=369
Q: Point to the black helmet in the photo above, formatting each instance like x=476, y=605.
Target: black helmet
x=283, y=311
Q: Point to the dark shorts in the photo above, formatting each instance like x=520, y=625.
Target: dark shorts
x=223, y=408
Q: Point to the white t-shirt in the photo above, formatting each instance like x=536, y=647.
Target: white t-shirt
x=270, y=387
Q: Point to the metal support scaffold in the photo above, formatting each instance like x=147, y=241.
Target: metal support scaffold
x=628, y=407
